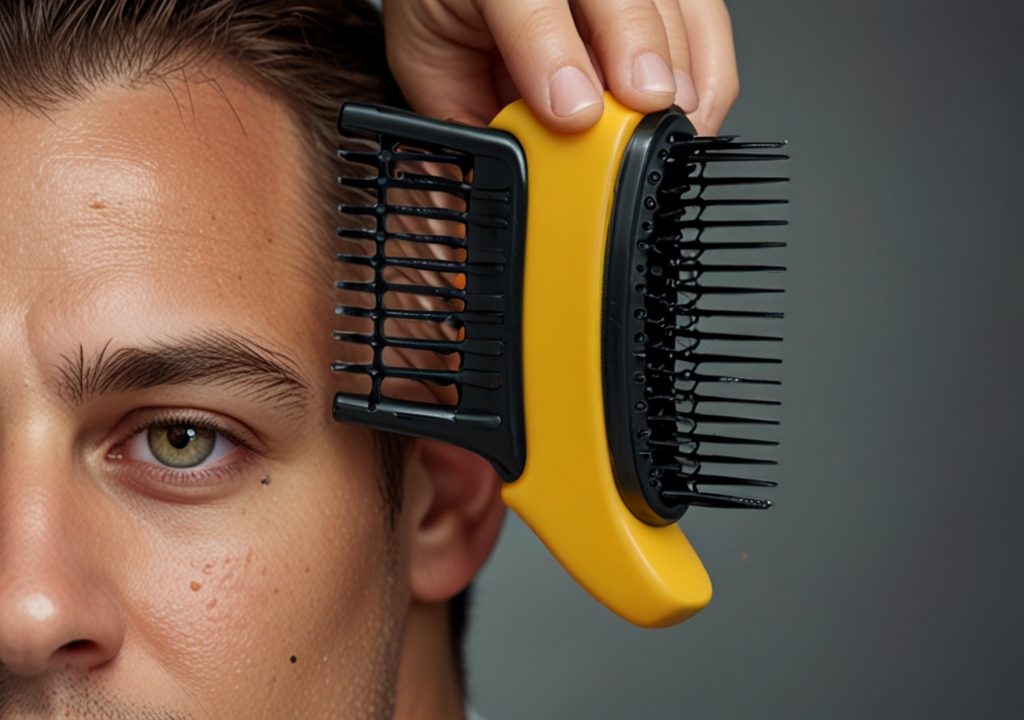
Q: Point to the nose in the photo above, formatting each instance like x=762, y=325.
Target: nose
x=56, y=611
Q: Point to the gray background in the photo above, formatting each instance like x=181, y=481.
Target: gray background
x=886, y=581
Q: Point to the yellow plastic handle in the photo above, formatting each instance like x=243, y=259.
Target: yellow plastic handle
x=648, y=575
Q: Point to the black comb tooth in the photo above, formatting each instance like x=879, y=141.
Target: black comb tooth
x=696, y=245
x=447, y=293
x=705, y=479
x=713, y=500
x=355, y=311
x=703, y=335
x=702, y=202
x=690, y=288
x=426, y=157
x=361, y=368
x=437, y=316
x=710, y=157
x=687, y=266
x=675, y=308
x=691, y=376
x=409, y=181
x=684, y=184
x=735, y=401
x=438, y=377
x=449, y=240
x=358, y=233
x=721, y=439
x=701, y=458
x=440, y=346
x=353, y=337
x=700, y=224
x=441, y=266
x=677, y=476
x=723, y=142
x=674, y=418
x=361, y=157
x=700, y=312
x=689, y=396
x=694, y=397
x=383, y=156
x=428, y=213
x=698, y=358
x=381, y=235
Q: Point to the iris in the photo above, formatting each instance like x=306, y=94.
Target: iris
x=181, y=446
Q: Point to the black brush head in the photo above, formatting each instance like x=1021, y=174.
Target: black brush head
x=670, y=319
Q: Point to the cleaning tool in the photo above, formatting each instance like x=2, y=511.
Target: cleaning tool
x=571, y=308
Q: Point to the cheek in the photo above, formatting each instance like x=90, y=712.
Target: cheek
x=307, y=571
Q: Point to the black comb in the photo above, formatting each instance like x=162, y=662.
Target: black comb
x=658, y=351
x=486, y=172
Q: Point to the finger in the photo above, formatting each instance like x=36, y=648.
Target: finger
x=713, y=62
x=504, y=87
x=679, y=47
x=629, y=39
x=546, y=60
x=439, y=77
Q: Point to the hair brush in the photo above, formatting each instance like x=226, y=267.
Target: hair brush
x=584, y=319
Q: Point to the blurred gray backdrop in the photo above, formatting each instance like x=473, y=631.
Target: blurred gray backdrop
x=886, y=581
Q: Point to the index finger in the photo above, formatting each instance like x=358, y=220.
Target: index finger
x=547, y=61
x=712, y=62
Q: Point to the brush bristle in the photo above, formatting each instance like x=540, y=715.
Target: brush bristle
x=690, y=328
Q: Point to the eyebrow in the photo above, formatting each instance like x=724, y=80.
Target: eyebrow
x=213, y=358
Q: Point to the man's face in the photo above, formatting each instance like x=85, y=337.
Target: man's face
x=184, y=530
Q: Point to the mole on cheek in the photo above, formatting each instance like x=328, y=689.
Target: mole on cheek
x=195, y=586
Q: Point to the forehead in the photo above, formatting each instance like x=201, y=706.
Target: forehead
x=174, y=202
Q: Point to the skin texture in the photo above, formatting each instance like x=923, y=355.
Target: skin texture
x=266, y=584
x=466, y=59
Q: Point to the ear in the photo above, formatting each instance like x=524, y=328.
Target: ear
x=452, y=513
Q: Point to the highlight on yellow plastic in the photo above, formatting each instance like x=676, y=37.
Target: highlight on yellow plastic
x=567, y=495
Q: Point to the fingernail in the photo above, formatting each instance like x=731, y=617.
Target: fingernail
x=651, y=75
x=571, y=92
x=686, y=93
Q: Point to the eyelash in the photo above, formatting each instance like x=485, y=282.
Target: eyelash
x=184, y=477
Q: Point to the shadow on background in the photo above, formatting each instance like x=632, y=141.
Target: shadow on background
x=887, y=579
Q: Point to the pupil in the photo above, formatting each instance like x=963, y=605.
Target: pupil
x=179, y=436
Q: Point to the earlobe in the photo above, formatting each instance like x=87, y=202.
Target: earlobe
x=456, y=520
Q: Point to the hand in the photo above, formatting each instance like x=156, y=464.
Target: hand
x=465, y=59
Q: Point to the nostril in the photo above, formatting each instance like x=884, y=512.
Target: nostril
x=78, y=646
x=78, y=653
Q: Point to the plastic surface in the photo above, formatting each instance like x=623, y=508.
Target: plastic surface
x=659, y=333
x=567, y=493
x=488, y=419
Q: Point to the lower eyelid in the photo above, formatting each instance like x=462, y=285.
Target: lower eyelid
x=162, y=480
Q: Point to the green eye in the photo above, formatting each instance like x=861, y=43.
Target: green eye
x=181, y=446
